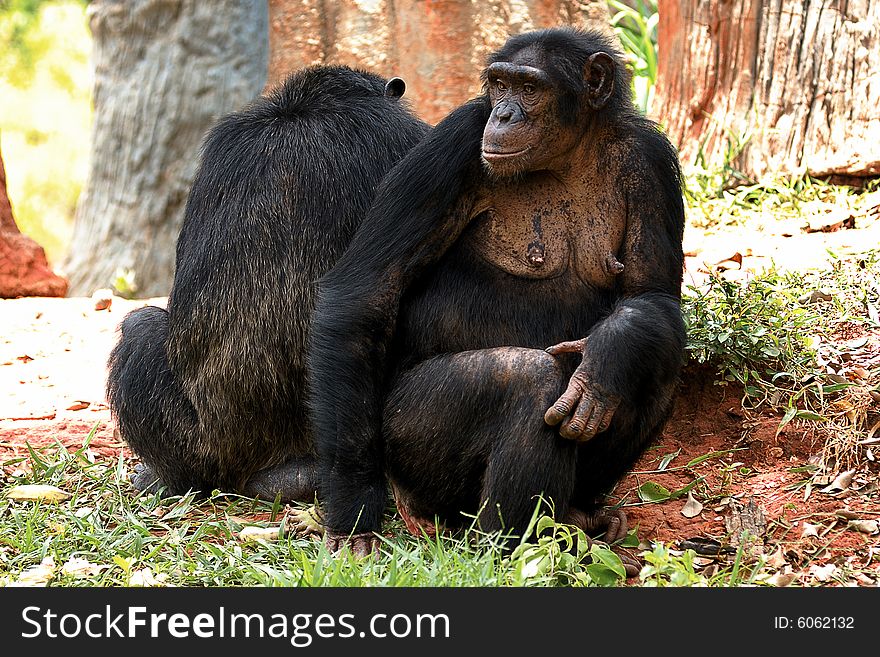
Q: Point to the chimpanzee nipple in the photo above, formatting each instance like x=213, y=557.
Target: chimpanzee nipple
x=613, y=265
x=535, y=254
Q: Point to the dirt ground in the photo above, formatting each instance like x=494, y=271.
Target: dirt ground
x=53, y=354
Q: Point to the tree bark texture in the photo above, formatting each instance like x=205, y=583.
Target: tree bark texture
x=799, y=78
x=437, y=46
x=165, y=70
x=24, y=271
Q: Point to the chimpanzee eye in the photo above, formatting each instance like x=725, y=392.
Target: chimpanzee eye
x=500, y=85
x=528, y=89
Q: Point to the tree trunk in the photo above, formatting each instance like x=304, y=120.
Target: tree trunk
x=796, y=80
x=24, y=271
x=437, y=46
x=165, y=70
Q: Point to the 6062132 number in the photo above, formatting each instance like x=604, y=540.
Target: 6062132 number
x=825, y=622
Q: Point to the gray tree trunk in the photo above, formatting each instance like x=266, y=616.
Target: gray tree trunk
x=165, y=70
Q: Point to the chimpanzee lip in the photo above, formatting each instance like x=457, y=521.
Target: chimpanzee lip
x=498, y=153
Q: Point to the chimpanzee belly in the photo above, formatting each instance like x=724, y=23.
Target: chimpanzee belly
x=465, y=302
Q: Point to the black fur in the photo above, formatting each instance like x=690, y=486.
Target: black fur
x=407, y=378
x=213, y=390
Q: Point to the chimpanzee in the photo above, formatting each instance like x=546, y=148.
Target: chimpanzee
x=211, y=393
x=506, y=322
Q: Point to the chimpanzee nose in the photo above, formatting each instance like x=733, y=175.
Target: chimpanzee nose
x=504, y=114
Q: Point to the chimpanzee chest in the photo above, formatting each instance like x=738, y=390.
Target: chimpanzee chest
x=539, y=229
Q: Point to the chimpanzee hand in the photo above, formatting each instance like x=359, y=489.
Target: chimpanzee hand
x=361, y=545
x=584, y=409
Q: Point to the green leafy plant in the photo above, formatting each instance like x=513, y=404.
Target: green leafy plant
x=636, y=27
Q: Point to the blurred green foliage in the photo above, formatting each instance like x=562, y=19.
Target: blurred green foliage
x=45, y=114
x=636, y=27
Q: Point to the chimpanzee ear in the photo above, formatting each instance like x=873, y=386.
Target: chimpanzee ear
x=599, y=78
x=395, y=88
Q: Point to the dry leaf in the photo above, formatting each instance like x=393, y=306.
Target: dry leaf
x=78, y=406
x=38, y=575
x=252, y=533
x=816, y=296
x=781, y=579
x=728, y=263
x=79, y=567
x=823, y=573
x=37, y=492
x=809, y=530
x=869, y=527
x=692, y=508
x=777, y=559
x=145, y=577
x=840, y=483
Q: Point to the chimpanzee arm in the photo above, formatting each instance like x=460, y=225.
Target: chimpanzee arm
x=419, y=211
x=638, y=348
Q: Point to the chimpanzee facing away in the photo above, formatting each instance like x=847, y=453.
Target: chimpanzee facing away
x=211, y=393
x=546, y=212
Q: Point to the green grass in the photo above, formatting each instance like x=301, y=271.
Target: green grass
x=189, y=542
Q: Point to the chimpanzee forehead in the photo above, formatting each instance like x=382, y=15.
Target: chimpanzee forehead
x=518, y=73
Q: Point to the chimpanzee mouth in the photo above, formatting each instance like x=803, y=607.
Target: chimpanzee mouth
x=497, y=153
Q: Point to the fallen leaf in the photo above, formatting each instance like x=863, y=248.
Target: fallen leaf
x=37, y=492
x=727, y=263
x=78, y=405
x=840, y=483
x=252, y=533
x=24, y=358
x=79, y=567
x=651, y=491
x=869, y=527
x=145, y=577
x=781, y=579
x=38, y=575
x=857, y=343
x=809, y=530
x=823, y=573
x=777, y=559
x=692, y=507
x=815, y=296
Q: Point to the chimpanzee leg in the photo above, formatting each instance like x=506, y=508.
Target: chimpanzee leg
x=466, y=433
x=296, y=480
x=604, y=459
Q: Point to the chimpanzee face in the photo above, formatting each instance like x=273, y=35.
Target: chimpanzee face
x=526, y=130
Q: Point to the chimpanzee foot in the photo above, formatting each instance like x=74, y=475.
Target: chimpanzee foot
x=305, y=522
x=415, y=525
x=145, y=479
x=613, y=523
x=360, y=545
x=295, y=480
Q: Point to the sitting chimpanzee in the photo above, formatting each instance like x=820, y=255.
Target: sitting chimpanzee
x=545, y=212
x=211, y=393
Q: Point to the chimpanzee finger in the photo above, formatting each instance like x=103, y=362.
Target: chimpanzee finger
x=563, y=406
x=573, y=347
x=620, y=527
x=592, y=427
x=606, y=420
x=360, y=545
x=573, y=427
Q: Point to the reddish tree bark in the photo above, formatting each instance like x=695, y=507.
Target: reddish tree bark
x=24, y=271
x=797, y=79
x=437, y=46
